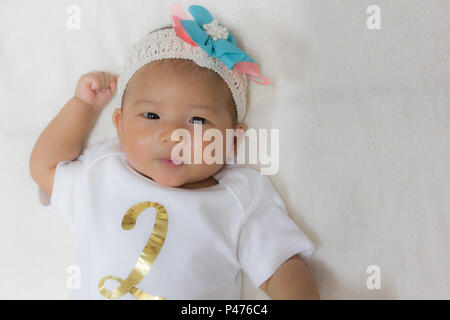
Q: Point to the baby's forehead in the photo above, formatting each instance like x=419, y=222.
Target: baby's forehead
x=190, y=72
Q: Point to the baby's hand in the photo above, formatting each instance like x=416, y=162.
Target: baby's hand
x=96, y=89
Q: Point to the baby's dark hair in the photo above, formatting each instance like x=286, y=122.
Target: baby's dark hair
x=187, y=65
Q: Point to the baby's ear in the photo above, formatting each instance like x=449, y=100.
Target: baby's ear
x=116, y=116
x=237, y=138
x=240, y=131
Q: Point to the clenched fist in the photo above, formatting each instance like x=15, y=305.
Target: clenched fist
x=97, y=89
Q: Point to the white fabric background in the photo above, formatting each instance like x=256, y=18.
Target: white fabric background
x=364, y=119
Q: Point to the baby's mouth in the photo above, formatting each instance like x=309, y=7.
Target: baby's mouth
x=170, y=163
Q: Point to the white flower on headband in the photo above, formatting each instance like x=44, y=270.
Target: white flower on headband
x=215, y=31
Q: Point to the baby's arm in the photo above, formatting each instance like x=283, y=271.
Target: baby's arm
x=291, y=281
x=64, y=137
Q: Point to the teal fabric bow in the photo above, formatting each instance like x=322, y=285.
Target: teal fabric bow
x=223, y=49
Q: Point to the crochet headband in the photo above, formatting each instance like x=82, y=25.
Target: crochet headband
x=202, y=40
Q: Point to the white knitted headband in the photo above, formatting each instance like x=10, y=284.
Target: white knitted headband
x=164, y=44
x=171, y=43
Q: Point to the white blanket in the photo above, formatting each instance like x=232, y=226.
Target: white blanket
x=364, y=119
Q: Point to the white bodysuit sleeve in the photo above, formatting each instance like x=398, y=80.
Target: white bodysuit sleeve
x=67, y=186
x=268, y=236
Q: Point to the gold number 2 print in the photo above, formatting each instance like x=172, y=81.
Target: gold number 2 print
x=147, y=257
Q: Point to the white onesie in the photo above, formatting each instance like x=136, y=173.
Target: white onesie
x=209, y=237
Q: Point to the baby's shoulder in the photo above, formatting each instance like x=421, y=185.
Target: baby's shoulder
x=100, y=150
x=241, y=174
x=246, y=182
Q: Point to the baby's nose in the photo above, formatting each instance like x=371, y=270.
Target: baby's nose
x=167, y=131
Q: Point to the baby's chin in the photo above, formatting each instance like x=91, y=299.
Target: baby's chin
x=177, y=180
x=173, y=179
x=175, y=176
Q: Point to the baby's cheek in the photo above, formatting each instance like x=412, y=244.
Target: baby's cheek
x=135, y=150
x=208, y=151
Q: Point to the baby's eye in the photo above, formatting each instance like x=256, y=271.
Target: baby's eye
x=152, y=115
x=202, y=120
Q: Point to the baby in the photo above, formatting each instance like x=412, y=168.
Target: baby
x=204, y=223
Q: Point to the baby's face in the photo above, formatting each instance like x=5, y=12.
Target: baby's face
x=144, y=128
